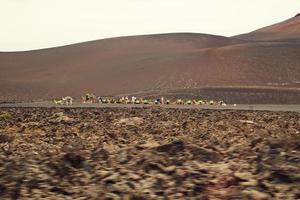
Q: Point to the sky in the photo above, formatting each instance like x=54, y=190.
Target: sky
x=36, y=24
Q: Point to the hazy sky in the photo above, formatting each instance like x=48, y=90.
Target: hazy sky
x=35, y=24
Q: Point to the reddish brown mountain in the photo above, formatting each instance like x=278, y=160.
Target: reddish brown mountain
x=288, y=30
x=180, y=64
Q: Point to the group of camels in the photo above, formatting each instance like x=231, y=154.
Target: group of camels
x=91, y=98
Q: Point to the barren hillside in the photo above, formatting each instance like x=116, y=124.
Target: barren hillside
x=156, y=64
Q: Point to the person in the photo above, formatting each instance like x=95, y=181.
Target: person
x=162, y=100
x=133, y=98
x=126, y=100
x=157, y=101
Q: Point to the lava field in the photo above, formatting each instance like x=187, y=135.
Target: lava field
x=148, y=153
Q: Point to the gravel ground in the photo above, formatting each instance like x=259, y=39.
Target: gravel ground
x=148, y=153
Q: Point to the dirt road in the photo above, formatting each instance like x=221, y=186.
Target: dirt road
x=271, y=107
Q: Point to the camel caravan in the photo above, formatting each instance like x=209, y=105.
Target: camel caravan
x=91, y=98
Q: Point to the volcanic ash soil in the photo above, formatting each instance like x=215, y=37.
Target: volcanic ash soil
x=148, y=153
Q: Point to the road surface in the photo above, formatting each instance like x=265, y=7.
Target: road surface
x=271, y=107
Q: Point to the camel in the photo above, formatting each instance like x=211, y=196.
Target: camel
x=120, y=100
x=188, y=102
x=137, y=101
x=145, y=101
x=104, y=100
x=179, y=102
x=201, y=102
x=222, y=103
x=99, y=99
x=58, y=102
x=64, y=101
x=89, y=98
x=67, y=100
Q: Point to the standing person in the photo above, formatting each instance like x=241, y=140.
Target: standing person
x=157, y=101
x=133, y=98
x=162, y=100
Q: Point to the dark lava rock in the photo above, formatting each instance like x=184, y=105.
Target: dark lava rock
x=5, y=138
x=203, y=154
x=280, y=176
x=59, y=191
x=172, y=148
x=123, y=157
x=77, y=157
x=2, y=189
x=100, y=154
x=74, y=160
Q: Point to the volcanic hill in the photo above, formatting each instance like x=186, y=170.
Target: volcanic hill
x=288, y=30
x=259, y=67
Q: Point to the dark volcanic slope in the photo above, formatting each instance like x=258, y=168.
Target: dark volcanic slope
x=288, y=30
x=153, y=63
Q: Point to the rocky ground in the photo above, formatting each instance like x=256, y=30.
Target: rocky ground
x=148, y=153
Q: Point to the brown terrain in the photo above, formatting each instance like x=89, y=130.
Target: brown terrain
x=259, y=67
x=284, y=31
x=148, y=153
x=130, y=152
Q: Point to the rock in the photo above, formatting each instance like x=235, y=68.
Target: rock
x=247, y=121
x=112, y=196
x=74, y=160
x=247, y=179
x=60, y=117
x=2, y=189
x=169, y=169
x=110, y=147
x=59, y=191
x=100, y=155
x=249, y=183
x=104, y=173
x=123, y=157
x=5, y=116
x=203, y=154
x=134, y=176
x=162, y=176
x=112, y=178
x=5, y=138
x=172, y=148
x=30, y=124
x=256, y=195
x=281, y=176
x=243, y=175
x=132, y=121
x=64, y=119
x=153, y=144
x=256, y=141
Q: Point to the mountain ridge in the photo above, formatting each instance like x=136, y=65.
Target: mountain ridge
x=160, y=63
